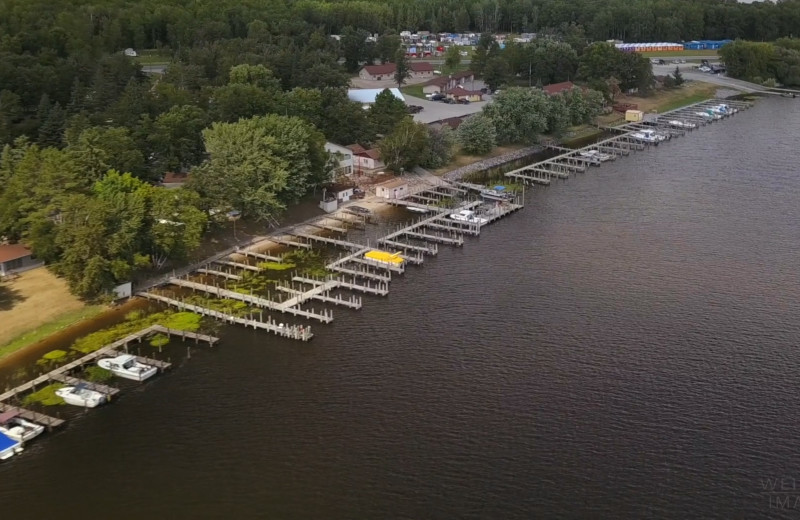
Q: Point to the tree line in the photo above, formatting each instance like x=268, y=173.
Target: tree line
x=764, y=62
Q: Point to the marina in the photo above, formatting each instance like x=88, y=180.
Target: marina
x=632, y=136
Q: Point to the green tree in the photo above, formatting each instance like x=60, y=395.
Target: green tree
x=441, y=147
x=176, y=137
x=354, y=48
x=256, y=75
x=99, y=149
x=402, y=71
x=495, y=73
x=386, y=113
x=678, y=76
x=387, y=46
x=406, y=146
x=255, y=164
x=452, y=58
x=519, y=114
x=477, y=135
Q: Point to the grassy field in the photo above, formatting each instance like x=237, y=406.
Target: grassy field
x=36, y=305
x=152, y=57
x=413, y=90
x=664, y=100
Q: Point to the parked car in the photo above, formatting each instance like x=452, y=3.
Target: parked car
x=463, y=101
x=358, y=193
x=437, y=97
x=414, y=109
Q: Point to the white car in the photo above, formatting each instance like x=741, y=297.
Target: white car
x=704, y=69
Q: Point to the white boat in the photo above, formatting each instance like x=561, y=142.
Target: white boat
x=128, y=367
x=417, y=209
x=596, y=155
x=79, y=395
x=704, y=115
x=681, y=124
x=466, y=215
x=17, y=428
x=497, y=193
x=645, y=137
x=9, y=447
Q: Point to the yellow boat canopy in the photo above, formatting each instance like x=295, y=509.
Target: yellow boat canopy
x=384, y=256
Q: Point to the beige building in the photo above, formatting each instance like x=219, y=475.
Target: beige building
x=392, y=189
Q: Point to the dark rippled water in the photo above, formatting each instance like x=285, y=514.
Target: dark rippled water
x=625, y=347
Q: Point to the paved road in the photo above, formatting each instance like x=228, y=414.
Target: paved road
x=436, y=110
x=691, y=73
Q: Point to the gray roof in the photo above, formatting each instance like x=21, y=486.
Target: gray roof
x=368, y=95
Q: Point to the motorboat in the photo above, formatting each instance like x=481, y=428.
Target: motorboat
x=466, y=215
x=128, y=367
x=681, y=124
x=646, y=137
x=17, y=428
x=79, y=395
x=9, y=447
x=498, y=193
x=704, y=115
x=595, y=155
x=417, y=209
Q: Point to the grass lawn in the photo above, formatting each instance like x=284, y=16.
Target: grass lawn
x=657, y=54
x=664, y=100
x=152, y=57
x=413, y=90
x=36, y=305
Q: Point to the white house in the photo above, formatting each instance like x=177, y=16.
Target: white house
x=392, y=189
x=343, y=157
x=366, y=161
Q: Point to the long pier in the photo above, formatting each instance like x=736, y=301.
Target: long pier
x=61, y=374
x=258, y=301
x=260, y=256
x=288, y=331
x=673, y=123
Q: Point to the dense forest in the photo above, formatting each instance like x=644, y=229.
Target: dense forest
x=251, y=93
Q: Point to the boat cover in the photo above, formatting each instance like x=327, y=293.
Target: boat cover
x=6, y=443
x=500, y=188
x=7, y=416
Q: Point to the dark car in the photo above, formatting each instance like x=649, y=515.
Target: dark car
x=414, y=109
x=437, y=97
x=463, y=101
x=358, y=193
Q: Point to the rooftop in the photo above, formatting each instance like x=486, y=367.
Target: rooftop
x=13, y=251
x=368, y=95
x=555, y=88
x=393, y=183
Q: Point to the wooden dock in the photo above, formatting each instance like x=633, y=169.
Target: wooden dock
x=287, y=307
x=427, y=250
x=238, y=265
x=61, y=374
x=287, y=331
x=367, y=287
x=353, y=302
x=362, y=272
x=221, y=274
x=39, y=418
x=290, y=243
x=260, y=256
x=106, y=390
x=332, y=241
x=453, y=239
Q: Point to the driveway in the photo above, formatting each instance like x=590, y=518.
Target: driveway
x=436, y=110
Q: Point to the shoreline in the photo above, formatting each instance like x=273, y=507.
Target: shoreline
x=262, y=244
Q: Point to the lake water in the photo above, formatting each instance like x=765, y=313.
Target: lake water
x=624, y=347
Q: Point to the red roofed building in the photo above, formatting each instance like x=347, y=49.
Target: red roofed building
x=459, y=93
x=366, y=161
x=557, y=88
x=15, y=258
x=445, y=83
x=418, y=70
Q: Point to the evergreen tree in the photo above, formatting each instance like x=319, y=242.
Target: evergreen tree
x=402, y=71
x=678, y=76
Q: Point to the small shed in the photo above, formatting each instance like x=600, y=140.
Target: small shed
x=634, y=116
x=341, y=192
x=15, y=258
x=392, y=189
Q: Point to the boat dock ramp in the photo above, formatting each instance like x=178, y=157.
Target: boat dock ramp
x=632, y=136
x=10, y=399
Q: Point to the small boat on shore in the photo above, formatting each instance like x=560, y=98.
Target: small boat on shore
x=9, y=447
x=17, y=428
x=79, y=395
x=128, y=367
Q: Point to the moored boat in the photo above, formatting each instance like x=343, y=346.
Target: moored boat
x=596, y=155
x=497, y=193
x=384, y=258
x=128, y=367
x=466, y=215
x=17, y=428
x=417, y=209
x=9, y=447
x=79, y=395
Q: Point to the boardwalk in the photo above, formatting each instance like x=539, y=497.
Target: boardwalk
x=291, y=331
x=60, y=374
